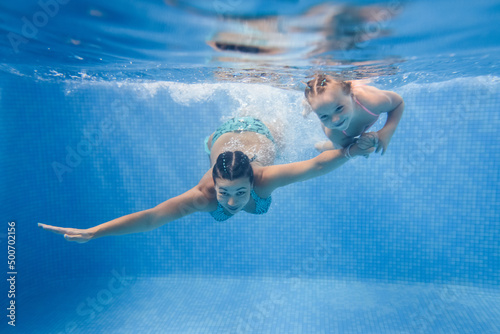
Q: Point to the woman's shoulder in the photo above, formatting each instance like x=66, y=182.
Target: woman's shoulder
x=261, y=184
x=207, y=200
x=206, y=192
x=258, y=171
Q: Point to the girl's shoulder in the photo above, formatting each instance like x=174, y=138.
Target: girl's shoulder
x=377, y=100
x=359, y=83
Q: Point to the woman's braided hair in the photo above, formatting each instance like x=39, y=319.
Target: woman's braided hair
x=232, y=165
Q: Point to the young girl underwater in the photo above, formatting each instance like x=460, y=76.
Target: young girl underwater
x=347, y=109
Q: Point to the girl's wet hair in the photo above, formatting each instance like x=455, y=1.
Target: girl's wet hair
x=232, y=165
x=317, y=86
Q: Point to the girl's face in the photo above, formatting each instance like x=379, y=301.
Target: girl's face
x=334, y=108
x=233, y=195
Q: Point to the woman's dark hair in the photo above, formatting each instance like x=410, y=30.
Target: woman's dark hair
x=318, y=85
x=232, y=165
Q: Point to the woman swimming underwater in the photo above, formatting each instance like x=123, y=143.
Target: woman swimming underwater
x=242, y=177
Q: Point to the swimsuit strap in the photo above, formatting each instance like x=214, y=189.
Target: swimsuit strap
x=368, y=111
x=362, y=106
x=261, y=204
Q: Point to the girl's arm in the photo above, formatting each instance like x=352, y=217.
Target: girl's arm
x=396, y=108
x=190, y=202
x=281, y=175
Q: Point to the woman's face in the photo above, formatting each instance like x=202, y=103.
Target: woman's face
x=233, y=195
x=334, y=108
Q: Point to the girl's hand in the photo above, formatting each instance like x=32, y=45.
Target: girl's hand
x=383, y=142
x=364, y=145
x=70, y=234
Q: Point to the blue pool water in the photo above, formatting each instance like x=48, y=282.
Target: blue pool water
x=122, y=94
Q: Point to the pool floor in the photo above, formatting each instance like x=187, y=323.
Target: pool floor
x=184, y=304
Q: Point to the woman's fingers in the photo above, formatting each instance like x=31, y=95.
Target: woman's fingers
x=55, y=229
x=70, y=234
x=367, y=140
x=364, y=144
x=366, y=153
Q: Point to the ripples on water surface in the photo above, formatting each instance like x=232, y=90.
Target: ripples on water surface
x=280, y=43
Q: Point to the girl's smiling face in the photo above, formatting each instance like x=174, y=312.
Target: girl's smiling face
x=334, y=108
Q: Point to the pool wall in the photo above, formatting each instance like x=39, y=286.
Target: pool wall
x=77, y=154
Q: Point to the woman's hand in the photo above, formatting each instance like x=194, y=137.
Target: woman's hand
x=70, y=234
x=362, y=149
x=367, y=140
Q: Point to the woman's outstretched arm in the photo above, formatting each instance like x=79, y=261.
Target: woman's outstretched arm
x=185, y=204
x=281, y=175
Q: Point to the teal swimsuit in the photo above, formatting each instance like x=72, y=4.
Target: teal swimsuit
x=240, y=124
x=261, y=207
